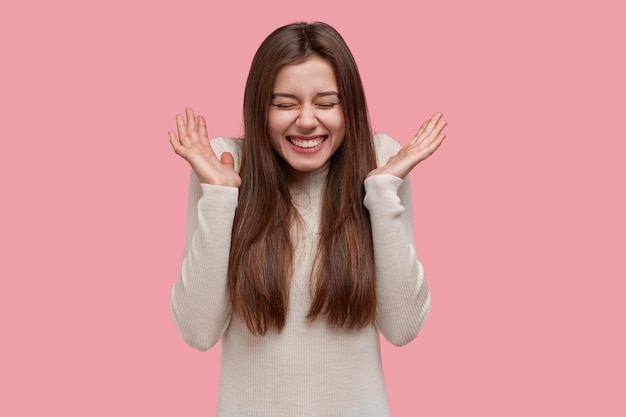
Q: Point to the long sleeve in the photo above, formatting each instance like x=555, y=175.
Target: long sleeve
x=403, y=297
x=200, y=302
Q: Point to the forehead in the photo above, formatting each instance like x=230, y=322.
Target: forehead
x=312, y=76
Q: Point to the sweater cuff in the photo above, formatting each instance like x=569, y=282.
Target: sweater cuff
x=218, y=197
x=383, y=183
x=381, y=192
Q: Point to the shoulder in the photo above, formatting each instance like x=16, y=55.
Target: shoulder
x=222, y=144
x=232, y=145
x=385, y=147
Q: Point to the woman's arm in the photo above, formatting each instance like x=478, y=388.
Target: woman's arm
x=403, y=297
x=200, y=302
x=402, y=294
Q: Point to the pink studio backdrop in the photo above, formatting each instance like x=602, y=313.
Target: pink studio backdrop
x=519, y=217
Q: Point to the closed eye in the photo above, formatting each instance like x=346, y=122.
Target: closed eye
x=327, y=105
x=285, y=106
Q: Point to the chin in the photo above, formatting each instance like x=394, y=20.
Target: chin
x=308, y=166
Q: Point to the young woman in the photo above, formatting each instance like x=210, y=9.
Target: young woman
x=300, y=243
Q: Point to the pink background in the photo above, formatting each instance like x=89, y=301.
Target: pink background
x=519, y=217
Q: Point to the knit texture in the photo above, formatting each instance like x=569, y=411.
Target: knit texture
x=309, y=368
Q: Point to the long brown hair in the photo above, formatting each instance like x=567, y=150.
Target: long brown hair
x=261, y=253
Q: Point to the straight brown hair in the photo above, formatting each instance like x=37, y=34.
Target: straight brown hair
x=261, y=254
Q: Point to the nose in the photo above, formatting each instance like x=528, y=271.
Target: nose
x=306, y=118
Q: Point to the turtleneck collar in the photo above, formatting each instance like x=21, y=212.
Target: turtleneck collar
x=311, y=182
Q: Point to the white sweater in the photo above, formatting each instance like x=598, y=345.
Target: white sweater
x=309, y=368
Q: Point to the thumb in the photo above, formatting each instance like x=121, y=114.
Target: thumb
x=227, y=159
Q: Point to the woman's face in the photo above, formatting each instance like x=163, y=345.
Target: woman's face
x=305, y=120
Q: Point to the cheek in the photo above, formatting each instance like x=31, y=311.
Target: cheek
x=336, y=123
x=271, y=124
x=275, y=130
x=277, y=123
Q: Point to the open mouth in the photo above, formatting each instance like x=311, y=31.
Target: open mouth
x=307, y=143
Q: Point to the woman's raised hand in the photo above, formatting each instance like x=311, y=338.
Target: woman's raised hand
x=192, y=144
x=424, y=143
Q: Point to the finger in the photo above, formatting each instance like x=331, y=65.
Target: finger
x=434, y=127
x=420, y=131
x=174, y=141
x=191, y=119
x=227, y=159
x=426, y=127
x=202, y=131
x=432, y=122
x=434, y=145
x=438, y=127
x=182, y=128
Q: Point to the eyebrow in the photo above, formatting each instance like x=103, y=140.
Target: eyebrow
x=293, y=96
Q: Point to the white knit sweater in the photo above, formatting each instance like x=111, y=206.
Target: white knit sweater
x=309, y=368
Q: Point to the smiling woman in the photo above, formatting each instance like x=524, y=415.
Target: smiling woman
x=306, y=123
x=300, y=246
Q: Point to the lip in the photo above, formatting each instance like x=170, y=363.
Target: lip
x=293, y=139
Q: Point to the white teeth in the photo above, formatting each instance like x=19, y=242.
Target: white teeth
x=307, y=143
